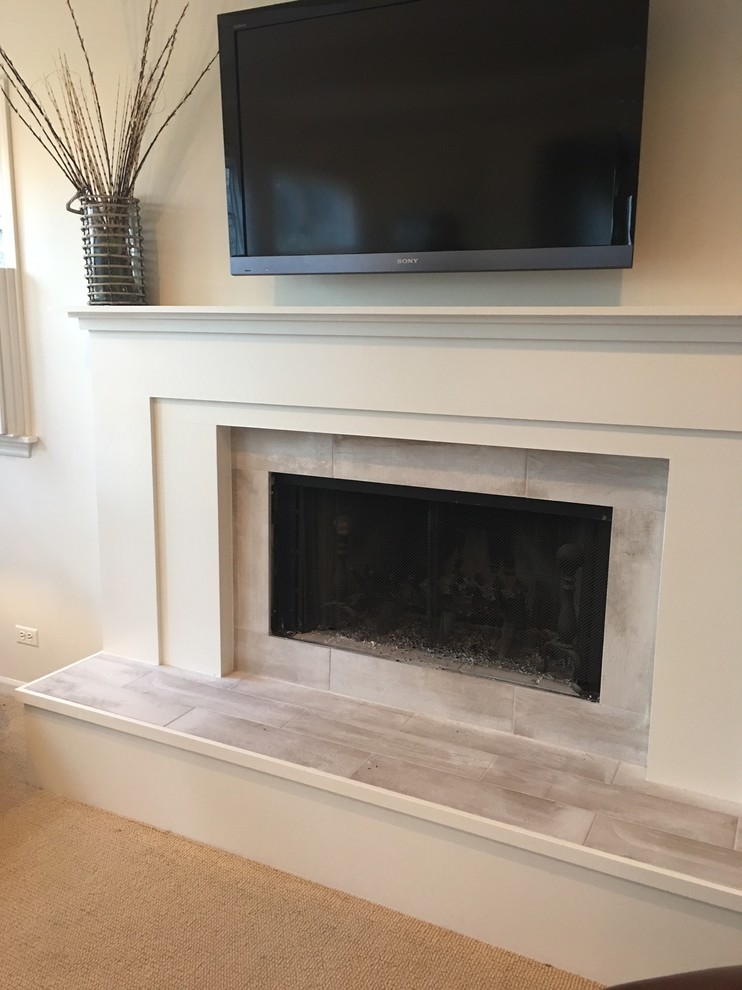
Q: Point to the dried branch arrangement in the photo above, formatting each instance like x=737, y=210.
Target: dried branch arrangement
x=99, y=160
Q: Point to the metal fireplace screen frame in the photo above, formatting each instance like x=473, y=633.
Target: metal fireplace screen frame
x=493, y=585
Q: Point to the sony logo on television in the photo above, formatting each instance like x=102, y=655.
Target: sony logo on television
x=407, y=261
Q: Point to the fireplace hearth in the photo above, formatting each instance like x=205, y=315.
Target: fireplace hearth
x=489, y=585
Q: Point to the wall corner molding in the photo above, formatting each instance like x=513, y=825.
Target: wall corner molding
x=16, y=434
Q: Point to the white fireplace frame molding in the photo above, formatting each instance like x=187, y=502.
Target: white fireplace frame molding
x=170, y=383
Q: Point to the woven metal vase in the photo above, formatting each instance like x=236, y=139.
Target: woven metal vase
x=112, y=250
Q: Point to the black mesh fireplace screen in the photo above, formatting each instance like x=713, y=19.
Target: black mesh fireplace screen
x=510, y=588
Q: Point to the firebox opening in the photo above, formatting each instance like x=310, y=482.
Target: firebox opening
x=490, y=585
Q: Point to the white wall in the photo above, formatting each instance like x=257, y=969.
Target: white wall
x=689, y=252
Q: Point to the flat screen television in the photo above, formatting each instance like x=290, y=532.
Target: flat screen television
x=432, y=135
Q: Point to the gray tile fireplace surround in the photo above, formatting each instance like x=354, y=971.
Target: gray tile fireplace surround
x=635, y=489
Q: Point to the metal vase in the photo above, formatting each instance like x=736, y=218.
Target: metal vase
x=112, y=250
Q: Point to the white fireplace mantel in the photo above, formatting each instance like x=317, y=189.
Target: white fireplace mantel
x=658, y=324
x=643, y=383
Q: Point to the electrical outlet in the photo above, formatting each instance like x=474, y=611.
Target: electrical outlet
x=27, y=636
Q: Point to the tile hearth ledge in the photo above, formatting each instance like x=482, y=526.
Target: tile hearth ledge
x=593, y=812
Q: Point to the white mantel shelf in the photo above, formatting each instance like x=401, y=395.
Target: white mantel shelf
x=645, y=325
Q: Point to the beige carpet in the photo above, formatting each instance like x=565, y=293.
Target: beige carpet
x=90, y=900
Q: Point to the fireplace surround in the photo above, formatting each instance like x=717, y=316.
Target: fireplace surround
x=177, y=391
x=170, y=384
x=635, y=489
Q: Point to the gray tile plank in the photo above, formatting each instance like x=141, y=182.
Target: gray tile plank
x=219, y=699
x=252, y=540
x=166, y=677
x=441, y=755
x=738, y=840
x=705, y=825
x=283, y=659
x=506, y=744
x=631, y=609
x=292, y=452
x=427, y=690
x=116, y=668
x=496, y=803
x=105, y=668
x=126, y=701
x=461, y=467
x=669, y=852
x=279, y=743
x=346, y=709
x=598, y=479
x=631, y=776
x=578, y=724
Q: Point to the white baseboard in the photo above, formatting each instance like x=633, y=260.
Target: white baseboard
x=8, y=685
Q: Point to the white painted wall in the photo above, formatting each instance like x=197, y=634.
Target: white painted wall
x=689, y=252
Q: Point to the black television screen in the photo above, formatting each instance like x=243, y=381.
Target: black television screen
x=432, y=135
